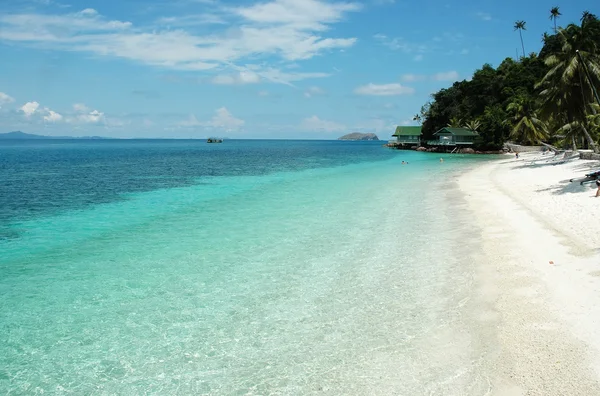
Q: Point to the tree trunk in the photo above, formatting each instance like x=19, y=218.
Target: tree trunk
x=589, y=139
x=554, y=25
x=573, y=143
x=522, y=45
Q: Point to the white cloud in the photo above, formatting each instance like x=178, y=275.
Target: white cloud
x=33, y=108
x=191, y=20
x=224, y=120
x=92, y=117
x=484, y=16
x=401, y=44
x=303, y=14
x=413, y=77
x=243, y=77
x=314, y=123
x=83, y=115
x=314, y=91
x=29, y=108
x=287, y=29
x=5, y=99
x=263, y=93
x=80, y=108
x=384, y=90
x=418, y=58
x=52, y=116
x=446, y=76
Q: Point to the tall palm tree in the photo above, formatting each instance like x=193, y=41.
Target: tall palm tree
x=520, y=26
x=418, y=118
x=473, y=125
x=565, y=87
x=455, y=122
x=528, y=127
x=554, y=14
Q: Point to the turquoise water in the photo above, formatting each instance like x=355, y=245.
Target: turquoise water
x=241, y=268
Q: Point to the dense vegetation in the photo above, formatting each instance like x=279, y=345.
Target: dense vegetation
x=547, y=97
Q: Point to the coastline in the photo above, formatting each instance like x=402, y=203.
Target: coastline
x=537, y=284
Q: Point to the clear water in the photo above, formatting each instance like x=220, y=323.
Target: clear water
x=248, y=267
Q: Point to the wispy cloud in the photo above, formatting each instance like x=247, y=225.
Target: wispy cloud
x=400, y=44
x=225, y=121
x=384, y=90
x=290, y=30
x=413, y=77
x=484, y=16
x=314, y=123
x=222, y=120
x=446, y=76
x=314, y=91
x=5, y=99
x=240, y=78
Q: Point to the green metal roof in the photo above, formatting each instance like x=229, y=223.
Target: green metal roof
x=458, y=131
x=407, y=131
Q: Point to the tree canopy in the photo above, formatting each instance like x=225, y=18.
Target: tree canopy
x=542, y=96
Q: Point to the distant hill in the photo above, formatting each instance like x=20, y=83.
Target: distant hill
x=18, y=135
x=359, y=136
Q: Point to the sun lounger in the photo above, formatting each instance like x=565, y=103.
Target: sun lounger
x=589, y=178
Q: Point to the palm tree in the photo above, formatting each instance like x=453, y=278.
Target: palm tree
x=554, y=14
x=473, y=125
x=565, y=88
x=587, y=16
x=418, y=118
x=455, y=122
x=520, y=26
x=529, y=128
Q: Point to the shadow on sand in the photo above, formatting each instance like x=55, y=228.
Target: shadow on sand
x=568, y=187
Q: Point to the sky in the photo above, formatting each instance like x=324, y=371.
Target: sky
x=278, y=69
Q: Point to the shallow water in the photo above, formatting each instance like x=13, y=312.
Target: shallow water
x=261, y=267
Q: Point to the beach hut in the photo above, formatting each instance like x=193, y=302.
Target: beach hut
x=453, y=137
x=408, y=135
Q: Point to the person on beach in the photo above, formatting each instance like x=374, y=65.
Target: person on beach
x=598, y=190
x=517, y=155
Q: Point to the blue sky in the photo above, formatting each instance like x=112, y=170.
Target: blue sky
x=246, y=69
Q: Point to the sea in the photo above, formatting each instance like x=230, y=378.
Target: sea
x=250, y=267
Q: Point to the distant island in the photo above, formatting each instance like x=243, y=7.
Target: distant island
x=18, y=135
x=359, y=136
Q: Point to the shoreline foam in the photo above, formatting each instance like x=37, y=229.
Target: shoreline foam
x=538, y=280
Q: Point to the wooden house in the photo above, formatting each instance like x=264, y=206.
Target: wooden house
x=408, y=135
x=453, y=137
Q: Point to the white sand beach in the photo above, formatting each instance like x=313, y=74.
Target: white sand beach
x=539, y=274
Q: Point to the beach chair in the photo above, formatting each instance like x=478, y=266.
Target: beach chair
x=589, y=178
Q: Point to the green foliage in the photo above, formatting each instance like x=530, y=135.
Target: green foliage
x=545, y=96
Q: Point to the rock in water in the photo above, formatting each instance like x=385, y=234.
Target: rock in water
x=359, y=136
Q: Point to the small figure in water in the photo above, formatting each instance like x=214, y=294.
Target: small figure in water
x=403, y=163
x=441, y=160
